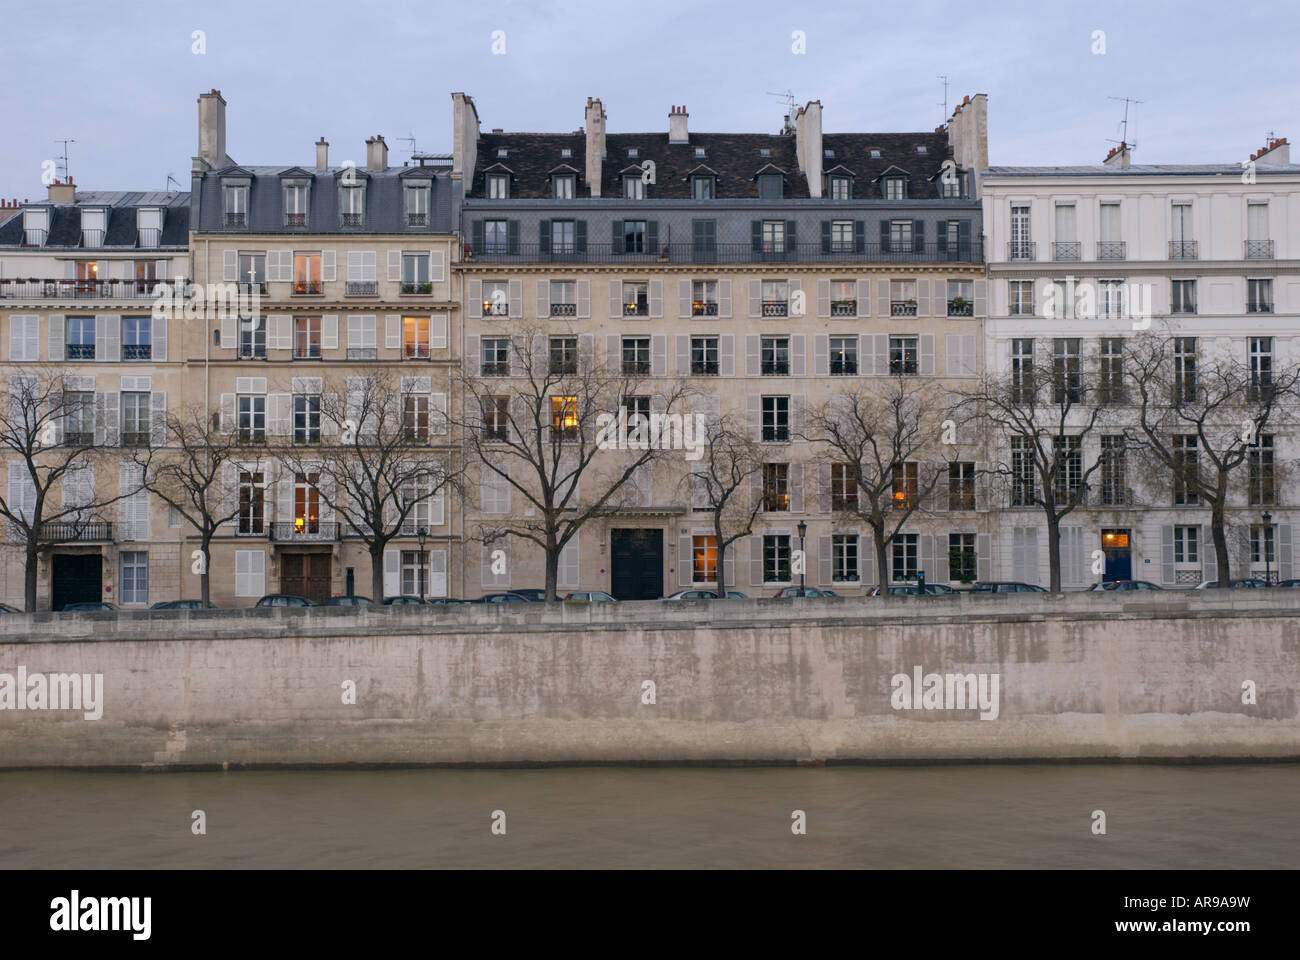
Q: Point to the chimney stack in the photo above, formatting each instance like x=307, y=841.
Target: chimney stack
x=1118, y=156
x=595, y=125
x=376, y=153
x=677, y=125
x=62, y=192
x=322, y=154
x=968, y=136
x=464, y=138
x=212, y=131
x=808, y=144
x=1275, y=153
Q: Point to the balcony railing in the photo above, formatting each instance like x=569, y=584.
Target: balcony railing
x=69, y=530
x=136, y=439
x=1182, y=249
x=844, y=368
x=302, y=288
x=1111, y=249
x=251, y=287
x=34, y=289
x=79, y=351
x=634, y=310
x=362, y=288
x=706, y=368
x=236, y=221
x=637, y=367
x=902, y=308
x=776, y=368
x=252, y=351
x=1063, y=250
x=776, y=308
x=1021, y=250
x=844, y=308
x=564, y=309
x=415, y=351
x=688, y=252
x=303, y=531
x=75, y=439
x=298, y=220
x=1259, y=249
x=958, y=307
x=419, y=287
x=496, y=370
x=92, y=238
x=351, y=221
x=704, y=308
x=777, y=434
x=137, y=351
x=149, y=237
x=417, y=219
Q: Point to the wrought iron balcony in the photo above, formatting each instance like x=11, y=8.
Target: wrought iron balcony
x=564, y=309
x=149, y=237
x=79, y=351
x=960, y=307
x=236, y=221
x=351, y=221
x=704, y=368
x=844, y=368
x=253, y=287
x=496, y=369
x=638, y=309
x=777, y=434
x=637, y=367
x=362, y=288
x=902, y=308
x=1021, y=250
x=690, y=252
x=298, y=220
x=422, y=286
x=776, y=368
x=704, y=308
x=308, y=288
x=1259, y=249
x=137, y=351
x=417, y=219
x=415, y=351
x=776, y=308
x=76, y=439
x=844, y=308
x=136, y=439
x=1111, y=250
x=36, y=289
x=1182, y=249
x=66, y=531
x=303, y=531
x=1066, y=250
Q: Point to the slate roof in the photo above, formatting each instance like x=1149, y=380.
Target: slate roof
x=1142, y=170
x=120, y=231
x=736, y=158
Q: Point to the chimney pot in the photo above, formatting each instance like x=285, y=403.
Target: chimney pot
x=677, y=125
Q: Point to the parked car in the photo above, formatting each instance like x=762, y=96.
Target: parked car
x=347, y=600
x=1125, y=585
x=85, y=605
x=705, y=595
x=402, y=601
x=284, y=600
x=785, y=593
x=528, y=593
x=5, y=608
x=909, y=589
x=1243, y=584
x=1006, y=586
x=511, y=597
x=1288, y=583
x=182, y=605
x=442, y=601
x=589, y=596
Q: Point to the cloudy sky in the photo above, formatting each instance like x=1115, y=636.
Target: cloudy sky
x=122, y=77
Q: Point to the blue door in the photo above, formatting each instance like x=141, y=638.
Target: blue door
x=1119, y=556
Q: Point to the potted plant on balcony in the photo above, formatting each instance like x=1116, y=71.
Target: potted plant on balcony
x=959, y=305
x=426, y=288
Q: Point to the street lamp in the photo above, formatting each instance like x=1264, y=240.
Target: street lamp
x=803, y=557
x=423, y=534
x=1263, y=535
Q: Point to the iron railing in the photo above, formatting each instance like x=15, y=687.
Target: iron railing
x=308, y=287
x=137, y=351
x=564, y=309
x=1021, y=250
x=68, y=530
x=1111, y=249
x=362, y=288
x=705, y=368
x=704, y=308
x=303, y=531
x=843, y=368
x=236, y=221
x=1182, y=249
x=1259, y=249
x=960, y=308
x=34, y=289
x=1063, y=250
x=844, y=308
x=902, y=308
x=776, y=308
x=689, y=252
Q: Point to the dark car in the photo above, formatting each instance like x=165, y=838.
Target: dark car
x=402, y=601
x=1243, y=584
x=1006, y=586
x=1288, y=583
x=590, y=596
x=705, y=595
x=90, y=605
x=909, y=590
x=1125, y=585
x=787, y=592
x=5, y=608
x=443, y=601
x=534, y=596
x=284, y=600
x=347, y=601
x=183, y=605
x=502, y=598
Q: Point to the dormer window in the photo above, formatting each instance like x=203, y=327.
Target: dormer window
x=633, y=152
x=633, y=187
x=702, y=187
x=875, y=154
x=498, y=186
x=295, y=204
x=92, y=227
x=894, y=188
x=566, y=152
x=828, y=154
x=841, y=188
x=352, y=205
x=770, y=186
x=36, y=227
x=563, y=186
x=922, y=149
x=764, y=152
x=235, y=205
x=149, y=227
x=699, y=152
x=950, y=188
x=417, y=204
x=501, y=153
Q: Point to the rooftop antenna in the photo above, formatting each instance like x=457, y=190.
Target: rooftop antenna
x=788, y=97
x=945, y=97
x=65, y=142
x=1124, y=123
x=171, y=180
x=410, y=140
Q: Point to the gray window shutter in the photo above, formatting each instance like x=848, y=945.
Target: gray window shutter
x=866, y=355
x=882, y=298
x=1167, y=572
x=613, y=355
x=658, y=356
x=981, y=487
x=925, y=555
x=727, y=355
x=823, y=488
x=825, y=575
x=473, y=298
x=683, y=298
x=616, y=237
x=724, y=299
x=1209, y=559
x=652, y=236
x=579, y=236
x=752, y=356
x=941, y=571
x=1284, y=552
x=329, y=331
x=112, y=417
x=160, y=339
x=754, y=416
x=756, y=560
x=516, y=298
x=927, y=355
x=392, y=573
x=229, y=336
x=826, y=236
x=797, y=356
x=656, y=298
x=791, y=237
x=867, y=558
x=981, y=298
x=755, y=298
x=756, y=235
x=158, y=418
x=729, y=564
x=864, y=297
x=230, y=266
x=983, y=557
x=923, y=297
x=586, y=346
x=823, y=298
x=512, y=237
x=796, y=488
x=798, y=404
x=227, y=419
x=859, y=236
x=543, y=299
x=821, y=355
x=584, y=299
x=685, y=561
x=329, y=266
x=543, y=236
x=683, y=344
x=472, y=358
x=884, y=236
x=615, y=299
x=57, y=335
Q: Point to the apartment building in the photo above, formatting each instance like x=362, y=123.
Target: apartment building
x=1208, y=254
x=78, y=272
x=769, y=272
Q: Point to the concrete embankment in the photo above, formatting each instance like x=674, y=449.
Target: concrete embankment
x=1186, y=675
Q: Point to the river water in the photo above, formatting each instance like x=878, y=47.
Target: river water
x=967, y=816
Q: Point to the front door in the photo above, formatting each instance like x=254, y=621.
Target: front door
x=78, y=578
x=306, y=575
x=637, y=570
x=1119, y=556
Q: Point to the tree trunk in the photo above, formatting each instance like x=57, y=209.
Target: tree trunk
x=205, y=578
x=721, y=566
x=29, y=575
x=552, y=569
x=377, y=572
x=882, y=565
x=1220, y=537
x=1053, y=553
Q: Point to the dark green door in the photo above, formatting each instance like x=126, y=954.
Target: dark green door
x=637, y=571
x=78, y=578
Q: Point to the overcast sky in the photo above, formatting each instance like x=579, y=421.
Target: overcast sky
x=122, y=78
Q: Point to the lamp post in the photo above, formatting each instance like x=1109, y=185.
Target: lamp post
x=1263, y=535
x=803, y=557
x=423, y=534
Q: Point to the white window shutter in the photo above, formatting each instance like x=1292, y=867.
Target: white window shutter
x=923, y=297
x=329, y=332
x=329, y=266
x=354, y=266
x=57, y=350
x=392, y=574
x=368, y=266
x=656, y=298
x=658, y=356
x=516, y=298
x=753, y=356
x=724, y=299
x=727, y=355
x=615, y=299
x=158, y=418
x=438, y=331
x=438, y=414
x=684, y=299
x=437, y=266
x=394, y=266
x=230, y=266
x=569, y=572
x=797, y=355
x=393, y=331
x=683, y=351
x=685, y=561
x=927, y=355
x=825, y=572
x=882, y=298
x=584, y=299
x=821, y=355
x=543, y=299
x=229, y=332
x=864, y=297
x=755, y=299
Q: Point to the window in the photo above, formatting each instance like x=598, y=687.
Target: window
x=895, y=188
x=564, y=355
x=900, y=236
x=415, y=417
x=87, y=276
x=564, y=417
x=1068, y=470
x=1020, y=298
x=702, y=187
x=496, y=298
x=562, y=186
x=1112, y=298
x=1258, y=246
x=1187, y=545
x=416, y=196
x=903, y=356
x=1022, y=472
x=135, y=338
x=775, y=356
x=562, y=236
x=415, y=337
x=773, y=236
x=306, y=273
x=636, y=355
x=498, y=186
x=961, y=486
x=844, y=558
x=844, y=298
x=841, y=188
x=902, y=298
x=135, y=576
x=961, y=298
x=1262, y=492
x=80, y=343
x=1114, y=479
x=776, y=487
x=842, y=236
x=903, y=477
x=843, y=356
x=1261, y=369
x=306, y=503
x=564, y=298
x=1183, y=296
x=638, y=414
x=306, y=338
x=1111, y=247
x=633, y=187
x=775, y=295
x=1259, y=296
x=704, y=239
x=776, y=419
x=146, y=275
x=1186, y=470
x=1023, y=387
x=704, y=298
x=636, y=298
x=961, y=557
x=1184, y=370
x=496, y=418
x=79, y=420
x=252, y=269
x=496, y=236
x=904, y=548
x=950, y=187
x=1066, y=246
x=295, y=205
x=352, y=204
x=251, y=416
x=306, y=418
x=704, y=556
x=1066, y=385
x=252, y=502
x=135, y=420
x=415, y=273
x=1021, y=246
x=844, y=487
x=771, y=186
x=704, y=356
x=496, y=356
x=776, y=558
x=1181, y=244
x=235, y=204
x=1261, y=544
x=252, y=338
x=875, y=154
x=415, y=573
x=634, y=236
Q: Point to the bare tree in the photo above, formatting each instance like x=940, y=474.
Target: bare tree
x=392, y=457
x=881, y=438
x=43, y=456
x=566, y=433
x=1201, y=418
x=1042, y=413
